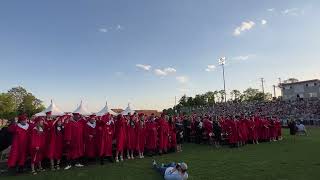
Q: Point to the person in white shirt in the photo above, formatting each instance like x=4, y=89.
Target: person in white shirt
x=301, y=129
x=172, y=171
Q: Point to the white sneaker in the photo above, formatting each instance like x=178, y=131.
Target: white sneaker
x=154, y=163
x=117, y=160
x=121, y=158
x=78, y=165
x=128, y=157
x=67, y=167
x=132, y=157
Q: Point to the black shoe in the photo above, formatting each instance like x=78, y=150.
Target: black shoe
x=111, y=159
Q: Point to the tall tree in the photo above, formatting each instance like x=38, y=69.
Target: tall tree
x=235, y=95
x=30, y=105
x=7, y=106
x=210, y=97
x=18, y=93
x=222, y=95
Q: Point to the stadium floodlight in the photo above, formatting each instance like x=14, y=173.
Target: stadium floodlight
x=222, y=62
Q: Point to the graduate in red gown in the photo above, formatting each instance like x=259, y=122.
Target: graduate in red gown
x=37, y=144
x=106, y=130
x=50, y=140
x=57, y=140
x=151, y=134
x=172, y=134
x=208, y=129
x=78, y=137
x=278, y=129
x=73, y=139
x=131, y=135
x=90, y=138
x=121, y=124
x=19, y=148
x=163, y=133
x=141, y=135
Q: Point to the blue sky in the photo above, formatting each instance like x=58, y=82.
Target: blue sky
x=149, y=51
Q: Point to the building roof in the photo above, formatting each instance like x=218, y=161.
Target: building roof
x=299, y=82
x=146, y=112
x=149, y=112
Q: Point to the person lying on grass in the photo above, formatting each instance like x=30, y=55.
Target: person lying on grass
x=172, y=171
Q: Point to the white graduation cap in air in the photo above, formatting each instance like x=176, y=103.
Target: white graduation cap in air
x=105, y=110
x=128, y=110
x=55, y=111
x=81, y=110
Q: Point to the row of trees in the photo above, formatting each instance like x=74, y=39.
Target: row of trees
x=17, y=101
x=210, y=98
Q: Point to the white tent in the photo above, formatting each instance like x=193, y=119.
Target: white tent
x=128, y=110
x=105, y=110
x=55, y=111
x=82, y=110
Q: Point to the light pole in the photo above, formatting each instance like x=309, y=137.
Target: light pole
x=222, y=62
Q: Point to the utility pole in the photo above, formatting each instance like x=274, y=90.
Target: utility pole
x=262, y=81
x=274, y=91
x=222, y=62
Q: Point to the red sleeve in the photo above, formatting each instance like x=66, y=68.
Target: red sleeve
x=34, y=139
x=67, y=131
x=12, y=128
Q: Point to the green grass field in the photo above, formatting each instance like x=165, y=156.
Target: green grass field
x=282, y=160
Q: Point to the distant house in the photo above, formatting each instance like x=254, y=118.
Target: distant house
x=118, y=111
x=300, y=90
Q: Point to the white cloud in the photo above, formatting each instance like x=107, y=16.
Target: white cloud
x=245, y=26
x=103, y=30
x=263, y=22
x=144, y=67
x=119, y=27
x=160, y=72
x=170, y=70
x=165, y=71
x=270, y=9
x=243, y=58
x=182, y=79
x=210, y=68
x=292, y=12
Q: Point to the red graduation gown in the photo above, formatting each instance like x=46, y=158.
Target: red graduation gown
x=131, y=135
x=71, y=139
x=173, y=136
x=78, y=137
x=90, y=140
x=37, y=140
x=121, y=133
x=50, y=139
x=141, y=136
x=58, y=142
x=151, y=134
x=163, y=132
x=19, y=148
x=105, y=134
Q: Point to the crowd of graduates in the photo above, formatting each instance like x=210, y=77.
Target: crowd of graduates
x=232, y=130
x=81, y=139
x=77, y=140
